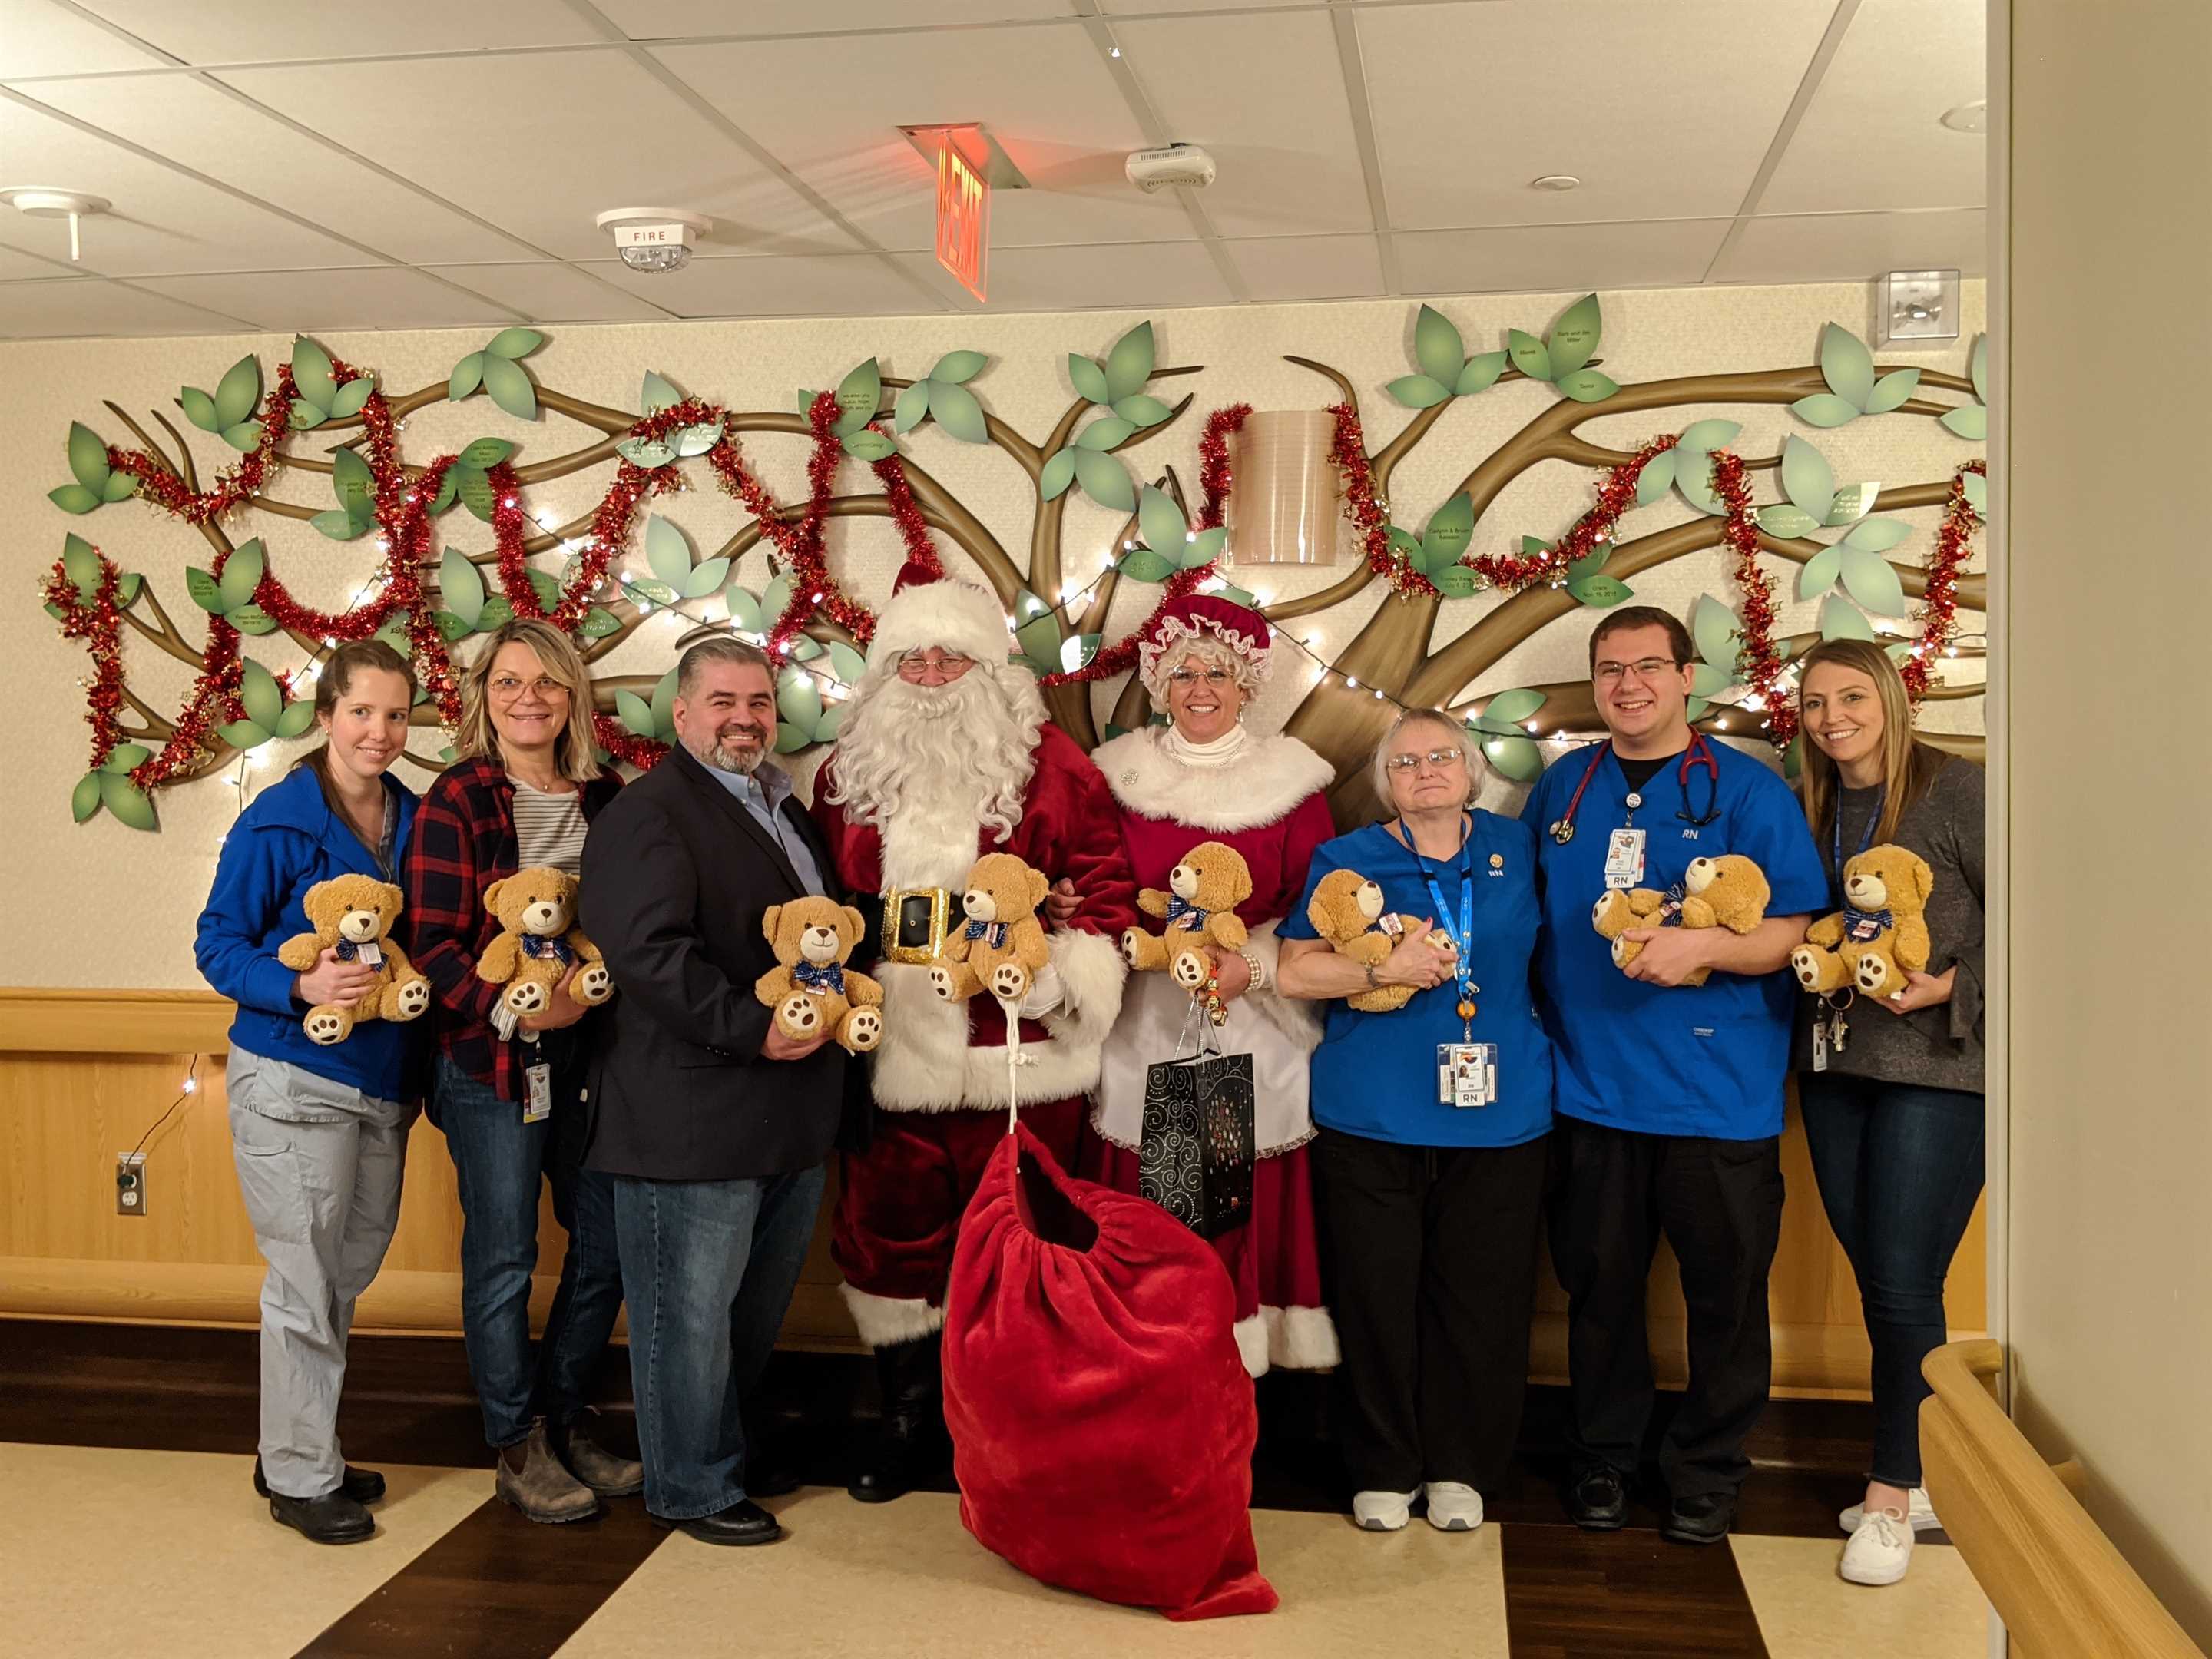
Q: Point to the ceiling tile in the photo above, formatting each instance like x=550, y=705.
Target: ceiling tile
x=541, y=143
x=850, y=284
x=1872, y=136
x=673, y=20
x=1086, y=278
x=829, y=109
x=257, y=31
x=49, y=261
x=38, y=39
x=1265, y=96
x=306, y=301
x=73, y=306
x=1664, y=111
x=547, y=292
x=1549, y=258
x=162, y=222
x=204, y=128
x=1857, y=246
x=1307, y=267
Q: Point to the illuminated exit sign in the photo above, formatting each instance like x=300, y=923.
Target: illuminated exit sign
x=963, y=216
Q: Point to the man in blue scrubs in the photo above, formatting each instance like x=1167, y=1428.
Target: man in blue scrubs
x=1669, y=1096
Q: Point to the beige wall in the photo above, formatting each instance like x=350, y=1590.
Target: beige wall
x=109, y=907
x=2110, y=1270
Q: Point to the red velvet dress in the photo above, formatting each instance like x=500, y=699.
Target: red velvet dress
x=1265, y=801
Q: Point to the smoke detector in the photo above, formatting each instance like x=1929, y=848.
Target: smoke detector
x=1171, y=164
x=41, y=202
x=654, y=238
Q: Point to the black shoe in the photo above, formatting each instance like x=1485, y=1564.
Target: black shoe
x=362, y=1486
x=744, y=1522
x=1597, y=1499
x=1701, y=1520
x=333, y=1518
x=911, y=1438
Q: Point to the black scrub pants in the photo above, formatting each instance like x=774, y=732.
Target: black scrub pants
x=1719, y=1204
x=1429, y=1255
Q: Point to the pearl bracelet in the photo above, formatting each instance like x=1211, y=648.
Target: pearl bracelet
x=1257, y=969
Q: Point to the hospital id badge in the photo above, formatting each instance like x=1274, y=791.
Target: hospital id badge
x=537, y=1092
x=1466, y=1074
x=1624, y=858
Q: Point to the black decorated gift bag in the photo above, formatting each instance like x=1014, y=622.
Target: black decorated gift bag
x=1196, y=1151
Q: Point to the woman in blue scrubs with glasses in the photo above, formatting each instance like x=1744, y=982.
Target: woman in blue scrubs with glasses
x=1432, y=1126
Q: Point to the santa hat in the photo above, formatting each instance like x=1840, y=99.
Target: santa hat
x=1202, y=617
x=927, y=611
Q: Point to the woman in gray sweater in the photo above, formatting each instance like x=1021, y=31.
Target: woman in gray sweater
x=1892, y=1087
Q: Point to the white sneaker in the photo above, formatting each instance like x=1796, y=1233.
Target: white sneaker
x=1920, y=1513
x=1383, y=1512
x=1454, y=1507
x=1879, y=1550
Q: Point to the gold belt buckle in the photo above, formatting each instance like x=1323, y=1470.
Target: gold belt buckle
x=914, y=923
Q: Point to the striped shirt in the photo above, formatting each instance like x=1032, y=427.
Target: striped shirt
x=548, y=830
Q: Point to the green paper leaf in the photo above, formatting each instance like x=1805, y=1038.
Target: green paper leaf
x=1784, y=519
x=846, y=664
x=958, y=368
x=339, y=524
x=664, y=706
x=647, y=591
x=242, y=573
x=1104, y=433
x=260, y=695
x=353, y=484
x=1852, y=503
x=1840, y=621
x=475, y=487
x=1899, y=653
x=126, y=588
x=127, y=803
x=1708, y=435
x=1847, y=366
x=1528, y=354
x=744, y=609
x=199, y=409
x=1599, y=592
x=508, y=386
x=599, y=623
x=666, y=551
x=1204, y=549
x=1105, y=480
x=1819, y=572
x=806, y=404
x=1141, y=564
x=912, y=406
x=1872, y=581
x=698, y=439
x=789, y=739
x=238, y=392
x=859, y=396
x=204, y=589
x=305, y=416
x=1877, y=535
x=394, y=633
x=1040, y=638
x=468, y=375
x=352, y=396
x=1505, y=710
x=1977, y=367
x=1129, y=365
x=88, y=455
x=1405, y=543
x=657, y=394
x=311, y=373
x=1418, y=391
x=869, y=446
x=634, y=713
x=1705, y=679
x=831, y=723
x=1587, y=385
x=957, y=412
x=1589, y=564
x=1058, y=471
x=448, y=488
x=547, y=589
x=707, y=579
x=1160, y=522
x=1793, y=759
x=1517, y=758
x=1437, y=348
x=1968, y=421
x=297, y=719
x=1656, y=478
x=1089, y=380
x=1693, y=476
x=498, y=612
x=1481, y=372
x=243, y=437
x=798, y=699
x=84, y=799
x=124, y=755
x=243, y=735
x=1825, y=408
x=460, y=585
x=250, y=619
x=1142, y=410
x=451, y=627
x=1977, y=488
x=648, y=453
x=511, y=343
x=1449, y=529
x=1893, y=389
x=1574, y=340
x=1712, y=626
x=1695, y=708
x=803, y=648
x=776, y=597
x=1454, y=581
x=485, y=453
x=120, y=486
x=81, y=565
x=1806, y=478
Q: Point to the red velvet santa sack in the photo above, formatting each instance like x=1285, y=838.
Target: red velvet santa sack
x=1102, y=1421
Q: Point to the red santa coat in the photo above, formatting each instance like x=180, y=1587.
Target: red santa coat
x=940, y=1056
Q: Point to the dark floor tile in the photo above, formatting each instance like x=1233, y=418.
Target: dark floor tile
x=1576, y=1594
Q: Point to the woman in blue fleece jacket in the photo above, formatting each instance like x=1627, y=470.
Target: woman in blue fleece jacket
x=319, y=1134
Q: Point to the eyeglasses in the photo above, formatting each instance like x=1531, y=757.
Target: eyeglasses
x=950, y=663
x=1441, y=759
x=1648, y=668
x=508, y=687
x=1184, y=678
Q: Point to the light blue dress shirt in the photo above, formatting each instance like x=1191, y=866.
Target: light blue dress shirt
x=763, y=794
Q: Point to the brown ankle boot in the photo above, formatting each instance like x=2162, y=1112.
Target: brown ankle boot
x=596, y=1467
x=541, y=1488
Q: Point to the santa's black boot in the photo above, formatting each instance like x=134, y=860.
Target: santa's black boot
x=911, y=1440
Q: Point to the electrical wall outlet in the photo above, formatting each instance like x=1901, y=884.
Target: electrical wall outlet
x=130, y=1184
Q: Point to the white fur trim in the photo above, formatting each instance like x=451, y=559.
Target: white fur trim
x=1296, y=1018
x=884, y=1321
x=928, y=1064
x=1262, y=784
x=1251, y=1336
x=1091, y=972
x=952, y=616
x=1301, y=1339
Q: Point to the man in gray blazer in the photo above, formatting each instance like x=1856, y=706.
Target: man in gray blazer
x=714, y=1124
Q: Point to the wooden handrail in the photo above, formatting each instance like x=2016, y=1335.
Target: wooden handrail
x=2063, y=1591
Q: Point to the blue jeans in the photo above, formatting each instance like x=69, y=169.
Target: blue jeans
x=1899, y=1168
x=501, y=1162
x=708, y=1267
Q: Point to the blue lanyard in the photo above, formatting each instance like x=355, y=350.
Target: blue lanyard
x=1836, y=844
x=1463, y=939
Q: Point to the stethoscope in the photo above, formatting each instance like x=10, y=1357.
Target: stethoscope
x=1700, y=753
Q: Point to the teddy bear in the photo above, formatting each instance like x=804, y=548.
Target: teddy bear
x=1002, y=946
x=353, y=915
x=1730, y=891
x=1881, y=935
x=1346, y=910
x=1200, y=907
x=538, y=943
x=812, y=991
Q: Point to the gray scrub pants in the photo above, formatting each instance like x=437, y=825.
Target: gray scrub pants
x=319, y=1167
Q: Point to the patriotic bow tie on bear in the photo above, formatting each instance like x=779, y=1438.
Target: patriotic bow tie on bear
x=350, y=950
x=1864, y=924
x=1180, y=907
x=826, y=978
x=992, y=933
x=537, y=944
x=1670, y=907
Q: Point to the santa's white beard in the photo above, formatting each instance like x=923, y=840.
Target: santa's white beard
x=954, y=758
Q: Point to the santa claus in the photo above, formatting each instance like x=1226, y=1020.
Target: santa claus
x=946, y=755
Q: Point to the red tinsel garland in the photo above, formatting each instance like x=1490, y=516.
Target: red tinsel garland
x=1616, y=493
x=99, y=622
x=157, y=484
x=1938, y=612
x=1758, y=662
x=1347, y=449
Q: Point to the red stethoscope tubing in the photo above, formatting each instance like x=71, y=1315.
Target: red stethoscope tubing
x=1697, y=754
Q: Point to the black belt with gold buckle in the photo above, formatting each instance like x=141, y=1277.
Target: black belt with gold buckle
x=915, y=921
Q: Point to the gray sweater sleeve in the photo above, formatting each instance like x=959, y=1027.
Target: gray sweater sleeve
x=1958, y=836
